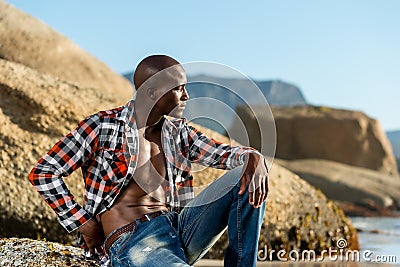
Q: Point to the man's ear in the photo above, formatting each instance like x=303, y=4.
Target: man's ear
x=151, y=92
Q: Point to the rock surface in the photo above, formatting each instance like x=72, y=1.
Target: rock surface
x=372, y=190
x=344, y=136
x=30, y=42
x=30, y=253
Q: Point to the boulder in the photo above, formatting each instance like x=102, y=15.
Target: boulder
x=345, y=136
x=30, y=42
x=371, y=191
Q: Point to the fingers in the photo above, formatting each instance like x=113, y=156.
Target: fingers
x=92, y=250
x=94, y=245
x=252, y=192
x=258, y=191
x=262, y=193
x=100, y=249
x=257, y=188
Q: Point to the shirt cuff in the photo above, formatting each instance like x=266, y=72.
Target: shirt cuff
x=73, y=218
x=250, y=150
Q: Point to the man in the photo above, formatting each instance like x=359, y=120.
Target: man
x=136, y=164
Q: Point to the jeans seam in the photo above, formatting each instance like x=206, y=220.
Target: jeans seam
x=238, y=221
x=198, y=215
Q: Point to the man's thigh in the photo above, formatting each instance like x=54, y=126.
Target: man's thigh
x=205, y=218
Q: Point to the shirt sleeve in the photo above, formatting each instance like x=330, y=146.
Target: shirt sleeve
x=67, y=155
x=208, y=152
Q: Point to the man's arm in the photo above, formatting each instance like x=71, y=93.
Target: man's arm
x=208, y=152
x=67, y=155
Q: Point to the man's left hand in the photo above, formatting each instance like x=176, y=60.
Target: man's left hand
x=255, y=177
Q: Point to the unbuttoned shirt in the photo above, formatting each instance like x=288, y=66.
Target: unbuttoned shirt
x=98, y=147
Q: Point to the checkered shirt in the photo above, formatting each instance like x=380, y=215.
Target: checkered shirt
x=97, y=147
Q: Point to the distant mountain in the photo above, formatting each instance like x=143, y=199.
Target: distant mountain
x=394, y=138
x=277, y=93
x=213, y=100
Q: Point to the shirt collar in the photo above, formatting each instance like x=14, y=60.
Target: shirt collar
x=169, y=124
x=128, y=117
x=128, y=114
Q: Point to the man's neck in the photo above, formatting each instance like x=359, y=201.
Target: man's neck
x=146, y=118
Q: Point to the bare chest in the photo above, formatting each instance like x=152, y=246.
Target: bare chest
x=151, y=160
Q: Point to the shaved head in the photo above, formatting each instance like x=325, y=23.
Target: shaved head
x=150, y=66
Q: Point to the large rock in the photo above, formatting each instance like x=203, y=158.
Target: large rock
x=373, y=192
x=350, y=137
x=345, y=136
x=30, y=42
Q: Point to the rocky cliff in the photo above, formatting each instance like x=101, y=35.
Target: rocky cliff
x=345, y=136
x=350, y=137
x=344, y=153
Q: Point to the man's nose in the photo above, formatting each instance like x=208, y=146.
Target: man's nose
x=185, y=95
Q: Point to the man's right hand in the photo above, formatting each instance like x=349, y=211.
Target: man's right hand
x=92, y=232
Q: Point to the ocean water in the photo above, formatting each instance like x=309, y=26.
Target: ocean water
x=379, y=238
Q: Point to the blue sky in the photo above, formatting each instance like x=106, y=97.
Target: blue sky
x=340, y=53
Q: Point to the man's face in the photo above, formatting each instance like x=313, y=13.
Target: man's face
x=172, y=93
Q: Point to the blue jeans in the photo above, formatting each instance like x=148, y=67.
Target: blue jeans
x=174, y=239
